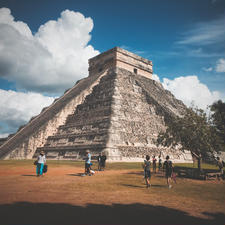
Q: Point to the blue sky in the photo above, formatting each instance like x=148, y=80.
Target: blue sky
x=185, y=39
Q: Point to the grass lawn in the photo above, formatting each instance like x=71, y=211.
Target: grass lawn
x=115, y=196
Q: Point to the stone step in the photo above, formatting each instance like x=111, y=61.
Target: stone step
x=83, y=134
x=93, y=121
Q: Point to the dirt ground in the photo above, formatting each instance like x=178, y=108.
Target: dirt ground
x=63, y=196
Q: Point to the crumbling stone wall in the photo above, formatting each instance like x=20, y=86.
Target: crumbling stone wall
x=25, y=142
x=87, y=128
x=139, y=113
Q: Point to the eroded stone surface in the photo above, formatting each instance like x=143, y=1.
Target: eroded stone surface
x=117, y=109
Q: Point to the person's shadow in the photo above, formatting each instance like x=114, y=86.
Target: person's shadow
x=76, y=174
x=28, y=175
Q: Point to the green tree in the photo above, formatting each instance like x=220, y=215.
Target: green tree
x=218, y=120
x=193, y=132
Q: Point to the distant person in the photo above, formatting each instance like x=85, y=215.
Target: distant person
x=220, y=164
x=88, y=163
x=154, y=160
x=168, y=166
x=41, y=160
x=160, y=163
x=99, y=159
x=199, y=159
x=147, y=171
x=103, y=160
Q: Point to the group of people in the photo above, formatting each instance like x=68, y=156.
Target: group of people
x=101, y=163
x=167, y=166
x=154, y=160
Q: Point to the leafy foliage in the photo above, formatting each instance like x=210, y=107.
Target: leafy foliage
x=218, y=120
x=193, y=132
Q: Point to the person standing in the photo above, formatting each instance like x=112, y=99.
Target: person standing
x=99, y=159
x=88, y=163
x=41, y=160
x=168, y=166
x=220, y=165
x=154, y=160
x=103, y=159
x=147, y=171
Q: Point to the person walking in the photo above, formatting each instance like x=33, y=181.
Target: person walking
x=160, y=163
x=147, y=171
x=41, y=160
x=168, y=166
x=154, y=160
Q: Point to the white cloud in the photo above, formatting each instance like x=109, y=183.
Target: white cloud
x=4, y=135
x=209, y=69
x=17, y=108
x=52, y=59
x=210, y=32
x=220, y=66
x=155, y=77
x=190, y=90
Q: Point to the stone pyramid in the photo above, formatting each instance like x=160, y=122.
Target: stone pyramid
x=117, y=109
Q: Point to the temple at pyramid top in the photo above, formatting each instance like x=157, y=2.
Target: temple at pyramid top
x=118, y=57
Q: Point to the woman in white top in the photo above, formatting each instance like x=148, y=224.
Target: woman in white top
x=40, y=164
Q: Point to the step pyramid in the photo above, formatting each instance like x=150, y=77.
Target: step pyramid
x=118, y=109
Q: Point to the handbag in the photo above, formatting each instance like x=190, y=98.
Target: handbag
x=45, y=168
x=35, y=162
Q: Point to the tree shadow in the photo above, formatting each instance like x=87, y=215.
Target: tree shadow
x=27, y=213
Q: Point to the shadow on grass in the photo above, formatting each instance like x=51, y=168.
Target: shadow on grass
x=75, y=174
x=29, y=175
x=26, y=213
x=133, y=186
x=144, y=186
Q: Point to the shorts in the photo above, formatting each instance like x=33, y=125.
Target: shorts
x=87, y=165
x=147, y=174
x=168, y=174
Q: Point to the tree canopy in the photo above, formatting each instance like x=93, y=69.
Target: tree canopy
x=194, y=132
x=218, y=120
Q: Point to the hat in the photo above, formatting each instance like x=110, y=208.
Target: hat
x=87, y=151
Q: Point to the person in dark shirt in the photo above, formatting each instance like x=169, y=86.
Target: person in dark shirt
x=160, y=163
x=99, y=159
x=154, y=163
x=168, y=167
x=147, y=171
x=103, y=159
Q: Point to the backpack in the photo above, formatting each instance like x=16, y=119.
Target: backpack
x=45, y=168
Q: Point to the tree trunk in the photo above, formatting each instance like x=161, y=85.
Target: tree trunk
x=199, y=164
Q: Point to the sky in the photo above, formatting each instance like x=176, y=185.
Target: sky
x=45, y=46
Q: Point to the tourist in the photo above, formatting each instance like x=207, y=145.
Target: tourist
x=103, y=159
x=220, y=165
x=99, y=159
x=147, y=172
x=88, y=163
x=41, y=160
x=160, y=163
x=168, y=166
x=154, y=160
